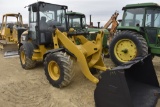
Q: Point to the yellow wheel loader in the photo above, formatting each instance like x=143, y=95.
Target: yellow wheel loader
x=51, y=39
x=11, y=30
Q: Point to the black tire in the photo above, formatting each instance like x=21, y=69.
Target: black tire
x=25, y=53
x=136, y=42
x=64, y=66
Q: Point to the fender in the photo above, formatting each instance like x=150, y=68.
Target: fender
x=57, y=50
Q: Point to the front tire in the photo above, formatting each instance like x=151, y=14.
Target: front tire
x=26, y=52
x=127, y=45
x=58, y=69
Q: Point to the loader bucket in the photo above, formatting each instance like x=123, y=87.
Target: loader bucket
x=133, y=84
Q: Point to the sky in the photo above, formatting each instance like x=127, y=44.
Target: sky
x=101, y=10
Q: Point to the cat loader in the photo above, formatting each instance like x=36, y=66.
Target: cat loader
x=57, y=40
x=51, y=39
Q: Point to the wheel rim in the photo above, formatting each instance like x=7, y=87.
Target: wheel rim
x=125, y=50
x=23, y=57
x=53, y=70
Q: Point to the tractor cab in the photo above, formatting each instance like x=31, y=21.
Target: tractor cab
x=141, y=15
x=143, y=18
x=76, y=20
x=76, y=23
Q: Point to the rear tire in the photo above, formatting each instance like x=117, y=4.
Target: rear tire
x=26, y=52
x=127, y=45
x=58, y=69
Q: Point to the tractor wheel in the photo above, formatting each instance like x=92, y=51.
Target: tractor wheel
x=25, y=53
x=58, y=69
x=127, y=45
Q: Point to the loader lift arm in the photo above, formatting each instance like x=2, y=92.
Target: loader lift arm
x=83, y=51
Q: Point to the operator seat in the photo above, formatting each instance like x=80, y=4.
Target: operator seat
x=45, y=34
x=43, y=24
x=10, y=26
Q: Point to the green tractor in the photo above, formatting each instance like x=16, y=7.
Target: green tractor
x=138, y=34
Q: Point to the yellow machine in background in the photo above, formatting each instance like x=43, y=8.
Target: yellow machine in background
x=11, y=29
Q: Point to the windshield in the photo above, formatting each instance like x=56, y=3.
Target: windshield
x=133, y=17
x=76, y=21
x=152, y=18
x=51, y=15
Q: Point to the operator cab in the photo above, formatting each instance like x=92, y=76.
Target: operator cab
x=76, y=20
x=43, y=16
x=137, y=17
x=76, y=24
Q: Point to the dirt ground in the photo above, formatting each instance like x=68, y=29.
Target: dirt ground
x=30, y=88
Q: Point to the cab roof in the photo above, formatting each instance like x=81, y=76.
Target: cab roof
x=39, y=2
x=12, y=14
x=74, y=13
x=139, y=5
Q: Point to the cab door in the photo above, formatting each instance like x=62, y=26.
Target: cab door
x=32, y=25
x=152, y=27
